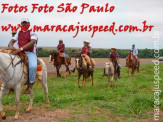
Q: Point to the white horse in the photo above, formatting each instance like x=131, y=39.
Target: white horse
x=109, y=71
x=14, y=75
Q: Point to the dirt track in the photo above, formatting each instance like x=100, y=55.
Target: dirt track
x=99, y=63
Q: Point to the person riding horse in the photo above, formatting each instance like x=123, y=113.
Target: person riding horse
x=135, y=53
x=114, y=58
x=26, y=41
x=61, y=50
x=86, y=49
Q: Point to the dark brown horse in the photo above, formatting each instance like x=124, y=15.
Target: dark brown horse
x=83, y=69
x=58, y=61
x=131, y=63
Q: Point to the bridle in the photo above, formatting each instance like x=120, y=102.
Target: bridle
x=79, y=61
x=14, y=66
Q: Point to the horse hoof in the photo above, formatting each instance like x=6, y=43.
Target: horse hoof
x=4, y=117
x=28, y=110
x=16, y=117
x=47, y=105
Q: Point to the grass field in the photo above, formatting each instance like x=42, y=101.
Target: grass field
x=132, y=100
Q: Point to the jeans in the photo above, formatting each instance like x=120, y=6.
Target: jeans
x=32, y=59
x=117, y=67
x=64, y=55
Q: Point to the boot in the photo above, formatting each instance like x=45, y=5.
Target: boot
x=28, y=89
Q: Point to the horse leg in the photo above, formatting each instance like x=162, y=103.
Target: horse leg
x=29, y=109
x=2, y=92
x=79, y=74
x=83, y=80
x=133, y=71
x=58, y=74
x=18, y=90
x=45, y=87
x=110, y=83
x=128, y=70
x=92, y=78
x=116, y=77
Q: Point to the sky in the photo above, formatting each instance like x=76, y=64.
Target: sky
x=126, y=12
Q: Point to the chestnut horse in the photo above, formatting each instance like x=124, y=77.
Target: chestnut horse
x=131, y=63
x=58, y=61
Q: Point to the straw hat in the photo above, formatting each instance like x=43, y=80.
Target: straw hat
x=60, y=40
x=113, y=48
x=86, y=41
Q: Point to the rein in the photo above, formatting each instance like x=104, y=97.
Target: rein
x=13, y=75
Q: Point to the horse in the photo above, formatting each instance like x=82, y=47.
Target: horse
x=83, y=69
x=111, y=72
x=14, y=74
x=131, y=63
x=58, y=61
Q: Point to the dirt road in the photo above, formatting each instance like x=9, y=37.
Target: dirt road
x=99, y=63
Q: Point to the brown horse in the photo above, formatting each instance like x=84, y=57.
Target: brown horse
x=58, y=61
x=131, y=63
x=83, y=69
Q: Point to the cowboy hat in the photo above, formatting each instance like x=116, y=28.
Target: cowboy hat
x=114, y=48
x=86, y=41
x=24, y=20
x=60, y=40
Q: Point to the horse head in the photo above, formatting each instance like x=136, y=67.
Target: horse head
x=130, y=55
x=78, y=60
x=53, y=56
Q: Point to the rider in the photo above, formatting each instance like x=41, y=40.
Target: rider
x=61, y=48
x=86, y=49
x=26, y=41
x=135, y=53
x=114, y=58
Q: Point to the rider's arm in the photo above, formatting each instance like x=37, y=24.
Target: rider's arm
x=11, y=43
x=110, y=57
x=136, y=52
x=29, y=45
x=118, y=58
x=13, y=40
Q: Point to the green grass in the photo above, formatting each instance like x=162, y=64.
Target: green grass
x=131, y=100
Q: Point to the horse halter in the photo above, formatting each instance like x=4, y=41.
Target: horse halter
x=78, y=60
x=13, y=75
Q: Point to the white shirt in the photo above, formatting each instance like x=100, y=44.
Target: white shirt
x=135, y=51
x=33, y=36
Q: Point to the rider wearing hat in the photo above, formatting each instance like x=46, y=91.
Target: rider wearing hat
x=86, y=49
x=114, y=58
x=135, y=53
x=26, y=41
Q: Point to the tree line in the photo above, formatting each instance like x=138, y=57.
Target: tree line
x=101, y=53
